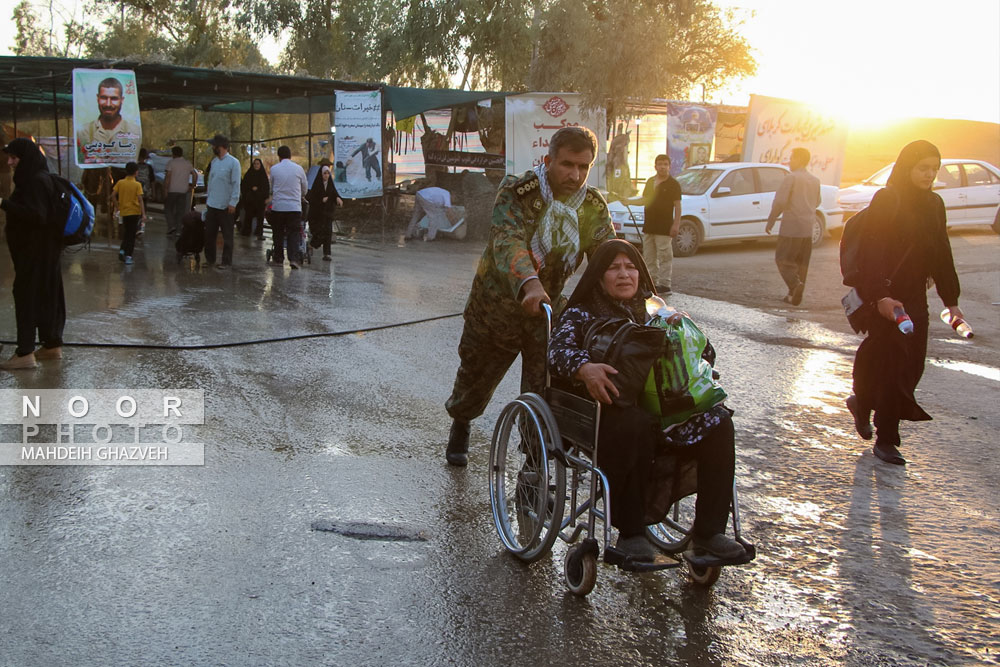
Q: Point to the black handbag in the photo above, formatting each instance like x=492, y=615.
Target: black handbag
x=629, y=348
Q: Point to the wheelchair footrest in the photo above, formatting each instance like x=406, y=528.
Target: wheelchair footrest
x=613, y=556
x=708, y=560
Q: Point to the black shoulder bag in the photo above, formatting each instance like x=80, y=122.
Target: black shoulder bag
x=629, y=348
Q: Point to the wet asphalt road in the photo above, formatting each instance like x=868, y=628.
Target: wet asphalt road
x=859, y=563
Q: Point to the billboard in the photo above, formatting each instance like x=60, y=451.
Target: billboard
x=106, y=119
x=533, y=118
x=690, y=132
x=776, y=126
x=357, y=147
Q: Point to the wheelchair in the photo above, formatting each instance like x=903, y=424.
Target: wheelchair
x=544, y=485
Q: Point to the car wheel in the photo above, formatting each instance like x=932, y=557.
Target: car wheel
x=688, y=238
x=819, y=230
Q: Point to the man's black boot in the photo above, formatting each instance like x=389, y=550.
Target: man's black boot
x=458, y=444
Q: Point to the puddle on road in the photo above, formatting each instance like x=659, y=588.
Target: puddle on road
x=822, y=382
x=979, y=370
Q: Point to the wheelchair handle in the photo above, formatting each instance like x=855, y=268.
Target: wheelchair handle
x=548, y=319
x=547, y=307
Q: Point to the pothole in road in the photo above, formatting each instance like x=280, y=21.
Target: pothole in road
x=371, y=530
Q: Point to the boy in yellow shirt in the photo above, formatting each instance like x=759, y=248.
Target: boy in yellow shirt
x=126, y=197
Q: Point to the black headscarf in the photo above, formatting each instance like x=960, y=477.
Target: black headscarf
x=590, y=294
x=30, y=234
x=911, y=154
x=256, y=177
x=31, y=160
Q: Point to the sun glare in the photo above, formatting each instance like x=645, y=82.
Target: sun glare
x=870, y=63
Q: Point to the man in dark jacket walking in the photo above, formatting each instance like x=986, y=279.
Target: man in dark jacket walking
x=34, y=239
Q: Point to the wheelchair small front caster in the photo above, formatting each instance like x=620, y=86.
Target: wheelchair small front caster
x=704, y=576
x=580, y=567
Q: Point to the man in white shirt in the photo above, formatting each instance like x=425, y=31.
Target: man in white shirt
x=223, y=195
x=288, y=189
x=434, y=203
x=180, y=180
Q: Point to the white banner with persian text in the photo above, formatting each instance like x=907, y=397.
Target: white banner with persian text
x=106, y=119
x=777, y=126
x=357, y=149
x=533, y=118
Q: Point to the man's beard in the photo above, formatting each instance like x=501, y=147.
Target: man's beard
x=216, y=149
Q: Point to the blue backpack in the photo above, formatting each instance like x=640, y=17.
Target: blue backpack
x=73, y=211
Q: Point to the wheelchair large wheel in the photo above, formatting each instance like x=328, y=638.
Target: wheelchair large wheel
x=674, y=533
x=527, y=485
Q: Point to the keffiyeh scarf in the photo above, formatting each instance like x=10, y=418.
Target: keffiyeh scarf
x=559, y=228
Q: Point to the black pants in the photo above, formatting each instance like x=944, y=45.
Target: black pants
x=131, y=224
x=628, y=444
x=39, y=303
x=371, y=164
x=484, y=360
x=286, y=229
x=177, y=204
x=216, y=220
x=792, y=257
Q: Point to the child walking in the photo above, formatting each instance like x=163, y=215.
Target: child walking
x=126, y=198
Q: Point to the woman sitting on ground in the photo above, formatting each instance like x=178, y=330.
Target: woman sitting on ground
x=616, y=285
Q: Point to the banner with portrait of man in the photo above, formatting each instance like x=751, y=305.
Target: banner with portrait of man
x=690, y=132
x=105, y=117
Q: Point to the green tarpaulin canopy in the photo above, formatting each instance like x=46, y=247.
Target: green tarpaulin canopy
x=34, y=84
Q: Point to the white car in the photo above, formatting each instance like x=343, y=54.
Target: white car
x=970, y=190
x=726, y=201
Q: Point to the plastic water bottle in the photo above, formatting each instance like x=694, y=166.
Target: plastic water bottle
x=960, y=326
x=657, y=306
x=903, y=320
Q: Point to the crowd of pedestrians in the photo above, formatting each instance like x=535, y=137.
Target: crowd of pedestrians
x=544, y=224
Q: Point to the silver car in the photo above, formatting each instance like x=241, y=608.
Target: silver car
x=726, y=201
x=970, y=190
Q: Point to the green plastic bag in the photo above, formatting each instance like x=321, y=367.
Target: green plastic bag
x=680, y=384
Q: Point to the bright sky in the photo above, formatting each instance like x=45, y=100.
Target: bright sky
x=867, y=60
x=876, y=60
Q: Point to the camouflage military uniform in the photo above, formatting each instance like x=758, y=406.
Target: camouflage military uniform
x=496, y=328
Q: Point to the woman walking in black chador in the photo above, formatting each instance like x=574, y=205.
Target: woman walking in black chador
x=906, y=243
x=35, y=243
x=255, y=188
x=323, y=199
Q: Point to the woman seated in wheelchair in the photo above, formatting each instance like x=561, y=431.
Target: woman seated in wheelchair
x=631, y=444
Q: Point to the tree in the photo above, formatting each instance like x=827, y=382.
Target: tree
x=201, y=33
x=30, y=40
x=645, y=49
x=612, y=51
